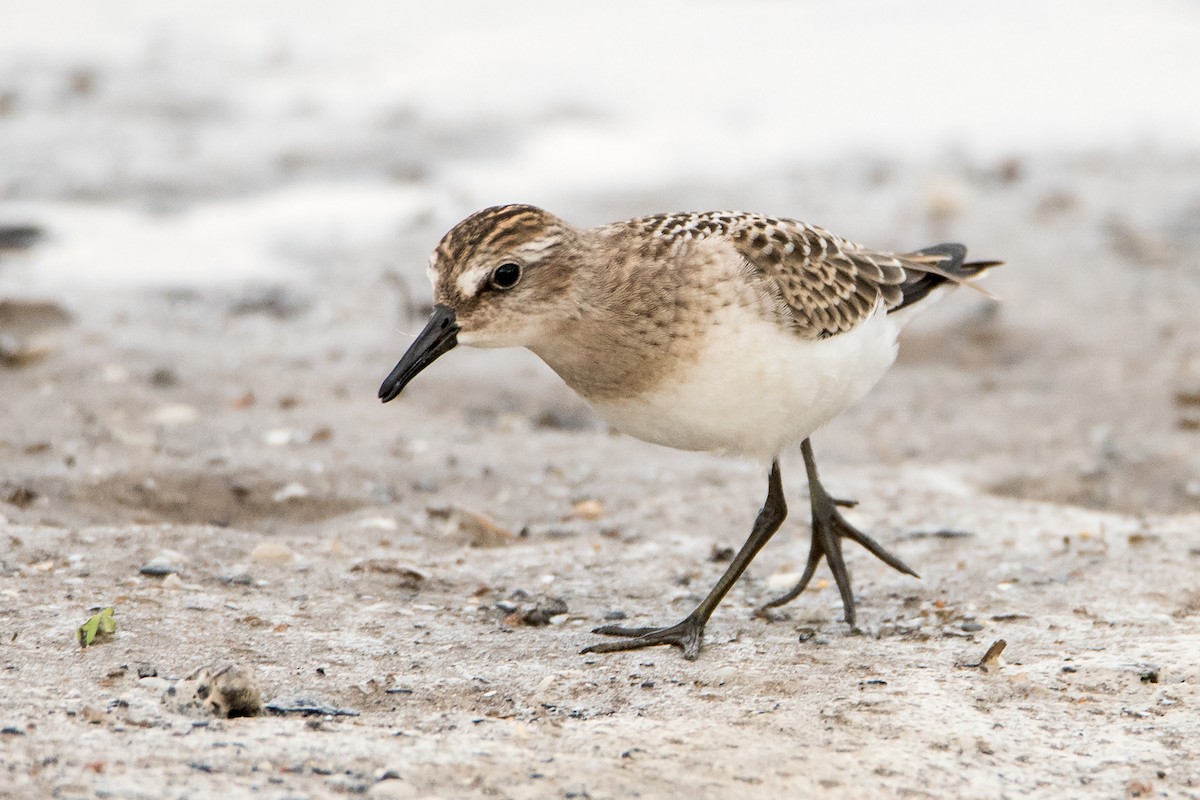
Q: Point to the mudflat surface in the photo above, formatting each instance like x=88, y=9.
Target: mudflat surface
x=1036, y=461
x=207, y=457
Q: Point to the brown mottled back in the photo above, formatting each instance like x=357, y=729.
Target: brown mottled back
x=829, y=284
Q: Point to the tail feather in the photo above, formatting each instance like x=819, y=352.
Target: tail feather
x=934, y=266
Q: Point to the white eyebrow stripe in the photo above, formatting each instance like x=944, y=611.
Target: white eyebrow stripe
x=468, y=282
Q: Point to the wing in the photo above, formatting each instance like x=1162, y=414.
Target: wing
x=832, y=285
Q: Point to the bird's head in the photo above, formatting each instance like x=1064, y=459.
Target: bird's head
x=501, y=278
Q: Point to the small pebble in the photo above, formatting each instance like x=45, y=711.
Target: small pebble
x=720, y=554
x=292, y=491
x=544, y=610
x=782, y=580
x=158, y=567
x=271, y=553
x=588, y=509
x=471, y=528
x=394, y=790
x=22, y=237
x=174, y=414
x=278, y=437
x=971, y=626
x=410, y=577
x=379, y=524
x=164, y=378
x=20, y=496
x=17, y=352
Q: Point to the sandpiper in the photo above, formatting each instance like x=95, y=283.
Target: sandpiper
x=723, y=331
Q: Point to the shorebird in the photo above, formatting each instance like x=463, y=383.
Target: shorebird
x=722, y=331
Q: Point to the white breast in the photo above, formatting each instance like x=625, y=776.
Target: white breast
x=756, y=387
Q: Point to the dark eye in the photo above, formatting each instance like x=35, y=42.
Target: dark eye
x=506, y=276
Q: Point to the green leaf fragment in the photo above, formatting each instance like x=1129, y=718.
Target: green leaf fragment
x=98, y=628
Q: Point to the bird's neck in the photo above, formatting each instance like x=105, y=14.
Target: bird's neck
x=621, y=331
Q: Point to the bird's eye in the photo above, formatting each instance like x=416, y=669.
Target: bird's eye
x=506, y=276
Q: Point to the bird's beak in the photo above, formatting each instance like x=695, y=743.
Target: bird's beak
x=439, y=336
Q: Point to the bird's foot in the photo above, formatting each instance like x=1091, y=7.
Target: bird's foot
x=686, y=635
x=829, y=527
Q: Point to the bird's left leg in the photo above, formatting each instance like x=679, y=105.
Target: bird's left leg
x=689, y=633
x=829, y=527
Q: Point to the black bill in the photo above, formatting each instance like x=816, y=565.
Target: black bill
x=439, y=336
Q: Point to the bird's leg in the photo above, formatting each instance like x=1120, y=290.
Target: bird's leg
x=829, y=527
x=689, y=633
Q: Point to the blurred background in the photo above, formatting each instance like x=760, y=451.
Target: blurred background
x=214, y=223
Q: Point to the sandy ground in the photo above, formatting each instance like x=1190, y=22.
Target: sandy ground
x=207, y=455
x=1037, y=461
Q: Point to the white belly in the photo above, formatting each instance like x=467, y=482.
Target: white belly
x=756, y=388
